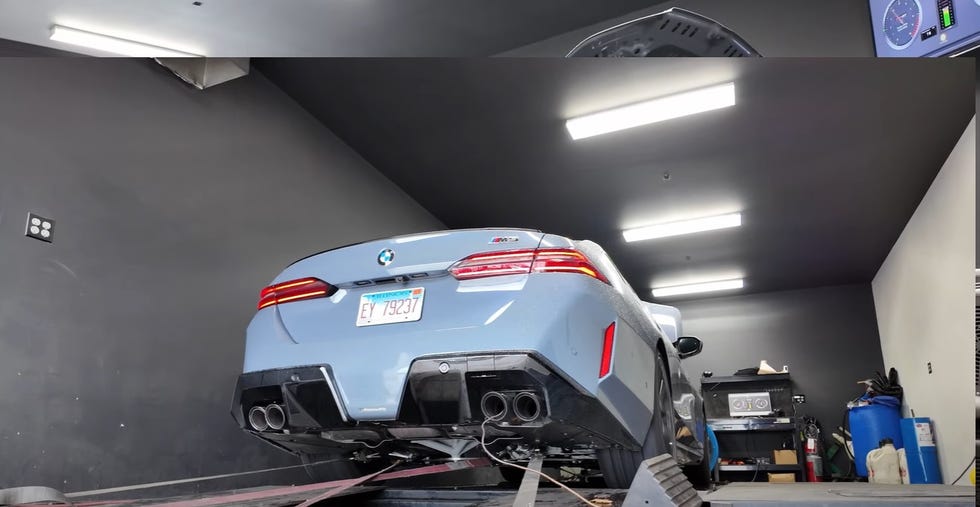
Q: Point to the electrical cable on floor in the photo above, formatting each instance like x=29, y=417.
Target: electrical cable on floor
x=369, y=446
x=494, y=441
x=189, y=480
x=965, y=471
x=483, y=437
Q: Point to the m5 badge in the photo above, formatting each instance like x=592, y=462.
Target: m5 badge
x=504, y=239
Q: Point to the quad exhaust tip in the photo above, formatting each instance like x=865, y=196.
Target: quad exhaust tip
x=494, y=406
x=527, y=406
x=275, y=417
x=524, y=405
x=256, y=418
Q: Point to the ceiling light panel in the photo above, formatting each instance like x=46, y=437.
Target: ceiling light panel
x=111, y=44
x=652, y=111
x=683, y=227
x=695, y=288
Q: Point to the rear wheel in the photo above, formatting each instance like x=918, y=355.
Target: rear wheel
x=331, y=467
x=618, y=466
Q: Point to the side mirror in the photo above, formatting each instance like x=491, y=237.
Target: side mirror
x=688, y=346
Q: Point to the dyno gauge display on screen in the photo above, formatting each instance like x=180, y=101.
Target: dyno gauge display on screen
x=925, y=27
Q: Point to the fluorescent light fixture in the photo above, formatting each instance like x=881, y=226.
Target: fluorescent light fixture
x=683, y=227
x=694, y=288
x=652, y=111
x=112, y=44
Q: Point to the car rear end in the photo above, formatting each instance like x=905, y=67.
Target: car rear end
x=414, y=337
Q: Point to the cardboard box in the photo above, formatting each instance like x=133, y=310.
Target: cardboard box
x=784, y=457
x=782, y=477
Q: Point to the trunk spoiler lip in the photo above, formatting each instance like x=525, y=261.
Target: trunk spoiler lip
x=523, y=229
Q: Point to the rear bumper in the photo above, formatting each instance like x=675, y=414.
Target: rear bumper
x=560, y=317
x=441, y=400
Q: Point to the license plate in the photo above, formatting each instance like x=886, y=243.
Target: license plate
x=390, y=307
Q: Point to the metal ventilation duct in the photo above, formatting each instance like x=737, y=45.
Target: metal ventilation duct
x=206, y=72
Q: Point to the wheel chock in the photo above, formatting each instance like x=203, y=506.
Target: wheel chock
x=660, y=483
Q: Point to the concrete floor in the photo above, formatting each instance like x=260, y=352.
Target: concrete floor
x=761, y=494
x=839, y=493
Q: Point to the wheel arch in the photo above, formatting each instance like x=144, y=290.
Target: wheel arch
x=662, y=349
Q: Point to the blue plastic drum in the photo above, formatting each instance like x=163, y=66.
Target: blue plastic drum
x=872, y=423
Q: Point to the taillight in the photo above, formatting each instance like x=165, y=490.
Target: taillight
x=522, y=262
x=510, y=262
x=565, y=260
x=605, y=364
x=295, y=290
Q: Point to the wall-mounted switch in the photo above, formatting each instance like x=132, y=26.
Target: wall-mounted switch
x=39, y=227
x=929, y=367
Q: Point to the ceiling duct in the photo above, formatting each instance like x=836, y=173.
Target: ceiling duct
x=206, y=72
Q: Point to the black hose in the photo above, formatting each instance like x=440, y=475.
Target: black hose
x=965, y=471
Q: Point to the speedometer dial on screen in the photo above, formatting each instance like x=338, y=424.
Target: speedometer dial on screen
x=901, y=22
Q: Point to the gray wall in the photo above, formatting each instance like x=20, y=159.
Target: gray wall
x=827, y=336
x=121, y=341
x=773, y=27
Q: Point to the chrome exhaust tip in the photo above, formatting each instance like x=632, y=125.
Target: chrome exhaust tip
x=494, y=406
x=527, y=406
x=275, y=416
x=256, y=418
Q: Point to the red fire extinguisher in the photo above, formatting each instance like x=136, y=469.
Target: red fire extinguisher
x=814, y=463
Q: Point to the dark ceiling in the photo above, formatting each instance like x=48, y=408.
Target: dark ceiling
x=826, y=158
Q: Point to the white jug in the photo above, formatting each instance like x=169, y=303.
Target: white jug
x=903, y=466
x=883, y=465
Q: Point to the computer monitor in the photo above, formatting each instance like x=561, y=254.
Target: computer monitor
x=925, y=27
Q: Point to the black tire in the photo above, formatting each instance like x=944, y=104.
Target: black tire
x=619, y=466
x=511, y=475
x=700, y=474
x=330, y=467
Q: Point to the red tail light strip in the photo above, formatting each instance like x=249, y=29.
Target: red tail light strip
x=510, y=262
x=564, y=260
x=605, y=363
x=295, y=290
x=517, y=262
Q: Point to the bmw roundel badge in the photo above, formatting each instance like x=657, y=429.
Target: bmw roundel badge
x=386, y=256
